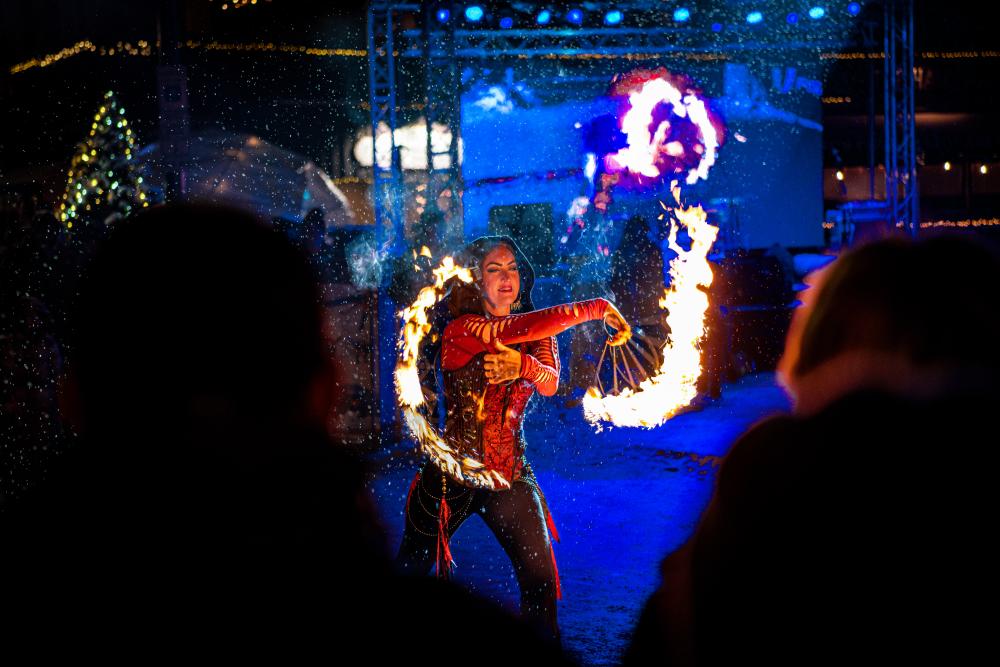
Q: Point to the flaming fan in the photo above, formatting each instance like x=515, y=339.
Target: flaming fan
x=628, y=365
x=410, y=395
x=662, y=394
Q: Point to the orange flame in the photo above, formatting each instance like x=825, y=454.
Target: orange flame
x=672, y=387
x=410, y=394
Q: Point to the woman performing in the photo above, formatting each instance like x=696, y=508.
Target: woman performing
x=492, y=362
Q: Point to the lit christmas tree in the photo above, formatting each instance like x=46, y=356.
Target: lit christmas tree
x=103, y=183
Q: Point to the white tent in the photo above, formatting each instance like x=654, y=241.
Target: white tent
x=247, y=172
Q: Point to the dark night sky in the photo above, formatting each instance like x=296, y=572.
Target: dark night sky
x=33, y=27
x=310, y=104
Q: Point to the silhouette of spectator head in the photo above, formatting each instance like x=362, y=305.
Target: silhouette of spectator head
x=911, y=317
x=204, y=473
x=202, y=390
x=192, y=315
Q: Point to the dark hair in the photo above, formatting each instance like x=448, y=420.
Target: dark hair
x=467, y=298
x=933, y=300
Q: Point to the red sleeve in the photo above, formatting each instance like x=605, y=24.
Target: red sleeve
x=541, y=366
x=469, y=335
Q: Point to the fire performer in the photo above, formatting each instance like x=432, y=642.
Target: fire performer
x=493, y=358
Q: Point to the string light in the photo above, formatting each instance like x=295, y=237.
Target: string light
x=272, y=47
x=686, y=55
x=348, y=180
x=143, y=48
x=961, y=224
x=924, y=55
x=238, y=4
x=45, y=61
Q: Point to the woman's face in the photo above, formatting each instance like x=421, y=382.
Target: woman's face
x=501, y=281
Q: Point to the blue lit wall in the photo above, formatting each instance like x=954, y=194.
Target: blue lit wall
x=771, y=182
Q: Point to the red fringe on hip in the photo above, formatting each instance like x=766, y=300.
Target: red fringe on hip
x=552, y=552
x=443, y=563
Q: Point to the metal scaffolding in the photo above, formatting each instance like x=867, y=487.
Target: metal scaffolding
x=387, y=191
x=443, y=46
x=386, y=180
x=902, y=200
x=488, y=43
x=443, y=108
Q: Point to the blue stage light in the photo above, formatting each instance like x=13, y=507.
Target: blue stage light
x=755, y=17
x=443, y=15
x=473, y=13
x=682, y=14
x=716, y=27
x=817, y=13
x=854, y=9
x=543, y=17
x=792, y=18
x=614, y=17
x=574, y=16
x=506, y=23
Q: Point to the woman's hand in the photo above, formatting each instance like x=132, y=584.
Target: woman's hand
x=614, y=319
x=503, y=366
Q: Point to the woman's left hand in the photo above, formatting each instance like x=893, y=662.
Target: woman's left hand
x=503, y=366
x=614, y=319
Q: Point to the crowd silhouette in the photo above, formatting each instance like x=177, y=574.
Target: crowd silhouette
x=197, y=495
x=852, y=531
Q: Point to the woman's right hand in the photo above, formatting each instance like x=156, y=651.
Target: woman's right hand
x=614, y=319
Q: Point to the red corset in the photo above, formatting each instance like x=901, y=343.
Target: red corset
x=484, y=420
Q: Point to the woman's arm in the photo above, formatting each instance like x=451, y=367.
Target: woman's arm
x=468, y=335
x=541, y=367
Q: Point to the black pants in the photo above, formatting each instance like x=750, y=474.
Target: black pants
x=517, y=518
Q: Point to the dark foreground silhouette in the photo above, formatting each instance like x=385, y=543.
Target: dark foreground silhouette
x=203, y=504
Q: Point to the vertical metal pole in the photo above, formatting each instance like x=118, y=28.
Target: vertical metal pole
x=443, y=108
x=900, y=119
x=386, y=194
x=872, y=165
x=912, y=189
x=889, y=114
x=382, y=98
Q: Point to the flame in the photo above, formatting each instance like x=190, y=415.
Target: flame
x=480, y=406
x=672, y=387
x=410, y=394
x=643, y=153
x=416, y=326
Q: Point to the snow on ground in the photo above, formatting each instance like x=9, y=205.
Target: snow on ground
x=621, y=499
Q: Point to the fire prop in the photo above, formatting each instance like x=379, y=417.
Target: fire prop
x=669, y=128
x=410, y=394
x=672, y=386
x=650, y=403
